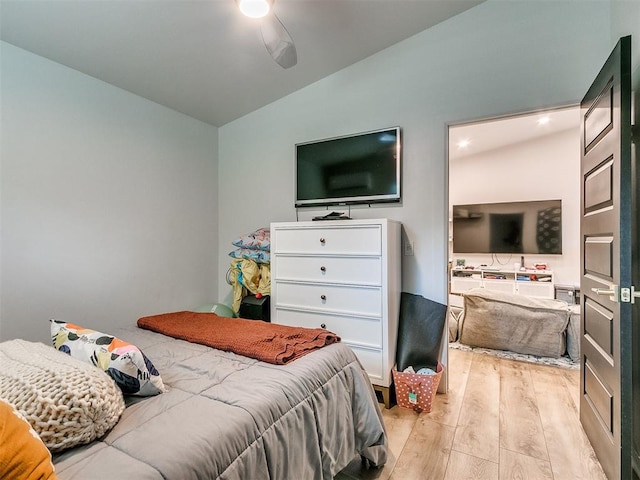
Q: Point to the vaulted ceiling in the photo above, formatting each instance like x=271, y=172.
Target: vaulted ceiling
x=203, y=57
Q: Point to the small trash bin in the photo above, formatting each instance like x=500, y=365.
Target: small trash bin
x=416, y=391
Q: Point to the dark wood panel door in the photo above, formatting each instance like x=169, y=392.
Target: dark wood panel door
x=607, y=231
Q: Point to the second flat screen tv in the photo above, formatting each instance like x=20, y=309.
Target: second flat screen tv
x=361, y=168
x=512, y=227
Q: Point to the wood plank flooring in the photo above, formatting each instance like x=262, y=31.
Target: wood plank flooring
x=500, y=420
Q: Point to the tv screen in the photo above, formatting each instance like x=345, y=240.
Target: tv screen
x=361, y=168
x=514, y=227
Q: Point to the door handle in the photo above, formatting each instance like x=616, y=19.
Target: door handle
x=612, y=292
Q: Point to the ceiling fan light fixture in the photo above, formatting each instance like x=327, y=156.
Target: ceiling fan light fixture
x=255, y=8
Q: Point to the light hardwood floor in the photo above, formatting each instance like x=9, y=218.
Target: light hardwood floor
x=501, y=419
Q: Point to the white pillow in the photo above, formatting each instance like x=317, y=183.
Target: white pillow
x=67, y=402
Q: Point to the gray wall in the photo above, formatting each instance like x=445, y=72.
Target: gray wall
x=108, y=202
x=499, y=57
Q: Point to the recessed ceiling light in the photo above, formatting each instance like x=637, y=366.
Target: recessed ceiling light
x=255, y=8
x=543, y=120
x=464, y=143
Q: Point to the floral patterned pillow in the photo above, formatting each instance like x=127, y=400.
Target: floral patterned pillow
x=258, y=240
x=132, y=371
x=258, y=256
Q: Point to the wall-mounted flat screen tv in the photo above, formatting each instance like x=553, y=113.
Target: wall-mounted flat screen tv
x=511, y=227
x=352, y=169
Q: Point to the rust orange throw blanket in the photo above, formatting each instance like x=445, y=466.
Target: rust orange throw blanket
x=268, y=342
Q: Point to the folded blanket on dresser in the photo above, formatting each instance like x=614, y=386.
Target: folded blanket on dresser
x=271, y=343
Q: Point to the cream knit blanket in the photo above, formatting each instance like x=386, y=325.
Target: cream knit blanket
x=67, y=402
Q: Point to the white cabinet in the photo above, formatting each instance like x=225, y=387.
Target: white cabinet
x=342, y=275
x=531, y=283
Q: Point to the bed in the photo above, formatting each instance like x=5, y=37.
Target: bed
x=227, y=416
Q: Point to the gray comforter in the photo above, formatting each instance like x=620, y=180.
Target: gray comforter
x=230, y=417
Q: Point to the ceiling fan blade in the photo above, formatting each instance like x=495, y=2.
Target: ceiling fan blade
x=278, y=41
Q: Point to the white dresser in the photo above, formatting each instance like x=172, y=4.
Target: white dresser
x=342, y=275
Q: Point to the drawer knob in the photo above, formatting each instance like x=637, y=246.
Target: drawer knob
x=323, y=269
x=322, y=240
x=322, y=325
x=323, y=297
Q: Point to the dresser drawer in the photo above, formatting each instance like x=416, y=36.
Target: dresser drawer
x=367, y=331
x=336, y=298
x=371, y=360
x=365, y=240
x=355, y=270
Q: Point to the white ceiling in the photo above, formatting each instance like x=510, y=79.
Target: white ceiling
x=498, y=133
x=202, y=57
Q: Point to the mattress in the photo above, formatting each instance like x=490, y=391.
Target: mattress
x=225, y=416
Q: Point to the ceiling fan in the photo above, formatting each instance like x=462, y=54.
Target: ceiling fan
x=274, y=34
